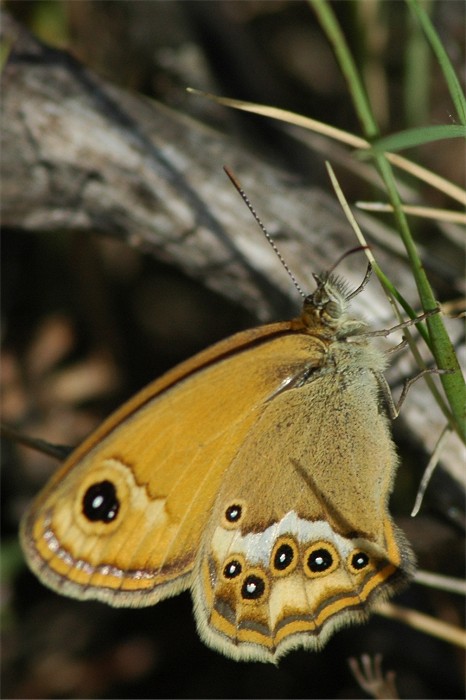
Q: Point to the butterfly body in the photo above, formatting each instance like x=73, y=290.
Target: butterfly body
x=257, y=474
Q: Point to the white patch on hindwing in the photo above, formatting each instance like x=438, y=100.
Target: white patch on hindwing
x=257, y=547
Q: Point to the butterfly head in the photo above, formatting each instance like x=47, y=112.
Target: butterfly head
x=326, y=309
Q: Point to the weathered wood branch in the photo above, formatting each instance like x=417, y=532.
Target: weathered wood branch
x=79, y=153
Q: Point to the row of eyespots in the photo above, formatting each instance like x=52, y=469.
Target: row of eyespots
x=319, y=559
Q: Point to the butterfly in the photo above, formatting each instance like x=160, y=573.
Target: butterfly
x=256, y=474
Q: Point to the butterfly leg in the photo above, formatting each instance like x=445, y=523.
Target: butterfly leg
x=394, y=408
x=404, y=324
x=397, y=348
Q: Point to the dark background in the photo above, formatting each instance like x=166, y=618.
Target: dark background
x=88, y=321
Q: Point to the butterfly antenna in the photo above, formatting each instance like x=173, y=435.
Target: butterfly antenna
x=367, y=276
x=263, y=229
x=359, y=289
x=345, y=255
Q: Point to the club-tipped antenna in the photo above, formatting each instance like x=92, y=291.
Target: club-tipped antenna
x=267, y=235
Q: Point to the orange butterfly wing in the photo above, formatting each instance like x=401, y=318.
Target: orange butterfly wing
x=123, y=518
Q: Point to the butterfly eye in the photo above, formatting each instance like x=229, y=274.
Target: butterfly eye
x=100, y=502
x=333, y=310
x=358, y=561
x=320, y=559
x=253, y=587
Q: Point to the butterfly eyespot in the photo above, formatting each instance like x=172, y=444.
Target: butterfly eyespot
x=253, y=587
x=358, y=561
x=100, y=502
x=233, y=514
x=284, y=557
x=320, y=559
x=232, y=569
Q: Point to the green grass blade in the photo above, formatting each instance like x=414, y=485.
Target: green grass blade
x=415, y=137
x=451, y=79
x=330, y=24
x=417, y=79
x=440, y=342
x=441, y=345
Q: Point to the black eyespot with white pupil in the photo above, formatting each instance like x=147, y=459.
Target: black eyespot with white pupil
x=233, y=513
x=232, y=569
x=359, y=561
x=320, y=560
x=253, y=587
x=100, y=502
x=283, y=557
